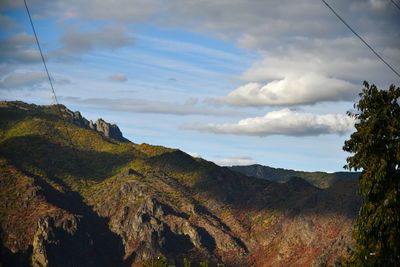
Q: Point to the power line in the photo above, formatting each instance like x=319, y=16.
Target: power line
x=359, y=37
x=394, y=3
x=68, y=136
x=41, y=53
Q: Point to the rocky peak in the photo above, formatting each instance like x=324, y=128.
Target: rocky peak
x=107, y=129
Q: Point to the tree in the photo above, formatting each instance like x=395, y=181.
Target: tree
x=376, y=151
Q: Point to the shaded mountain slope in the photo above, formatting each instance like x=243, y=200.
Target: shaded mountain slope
x=318, y=179
x=70, y=195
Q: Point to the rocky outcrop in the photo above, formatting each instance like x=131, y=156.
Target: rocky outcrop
x=150, y=227
x=106, y=129
x=49, y=240
x=76, y=117
x=109, y=130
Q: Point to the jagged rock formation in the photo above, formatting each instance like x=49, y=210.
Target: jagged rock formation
x=46, y=237
x=107, y=129
x=92, y=202
x=149, y=227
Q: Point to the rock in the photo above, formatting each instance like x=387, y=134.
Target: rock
x=79, y=120
x=133, y=172
x=189, y=230
x=76, y=117
x=43, y=237
x=92, y=125
x=39, y=255
x=109, y=130
x=53, y=236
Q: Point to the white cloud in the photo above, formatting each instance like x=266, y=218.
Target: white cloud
x=227, y=18
x=19, y=48
x=22, y=79
x=235, y=161
x=298, y=37
x=6, y=22
x=293, y=38
x=118, y=77
x=18, y=80
x=192, y=49
x=307, y=89
x=343, y=58
x=282, y=122
x=378, y=4
x=189, y=107
x=124, y=10
x=76, y=42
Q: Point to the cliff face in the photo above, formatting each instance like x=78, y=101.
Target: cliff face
x=45, y=224
x=92, y=202
x=107, y=129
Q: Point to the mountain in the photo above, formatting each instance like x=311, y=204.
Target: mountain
x=72, y=194
x=318, y=179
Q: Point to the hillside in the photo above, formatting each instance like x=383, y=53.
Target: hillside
x=72, y=193
x=318, y=179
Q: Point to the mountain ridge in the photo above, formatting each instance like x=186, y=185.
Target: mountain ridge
x=317, y=178
x=106, y=202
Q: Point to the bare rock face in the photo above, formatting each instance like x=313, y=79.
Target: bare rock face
x=92, y=125
x=76, y=117
x=107, y=129
x=39, y=254
x=50, y=239
x=150, y=227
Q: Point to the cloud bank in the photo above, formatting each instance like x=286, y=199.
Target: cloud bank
x=310, y=88
x=283, y=122
x=18, y=80
x=19, y=48
x=189, y=107
x=235, y=161
x=24, y=79
x=76, y=42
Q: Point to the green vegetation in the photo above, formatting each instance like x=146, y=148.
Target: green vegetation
x=160, y=261
x=54, y=166
x=376, y=148
x=38, y=141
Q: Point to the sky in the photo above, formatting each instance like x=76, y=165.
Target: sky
x=236, y=82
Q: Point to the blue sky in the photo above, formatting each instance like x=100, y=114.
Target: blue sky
x=235, y=82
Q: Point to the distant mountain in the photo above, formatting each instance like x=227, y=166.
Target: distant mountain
x=76, y=195
x=318, y=179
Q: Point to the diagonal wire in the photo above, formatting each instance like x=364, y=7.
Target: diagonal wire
x=41, y=54
x=359, y=37
x=396, y=4
x=68, y=135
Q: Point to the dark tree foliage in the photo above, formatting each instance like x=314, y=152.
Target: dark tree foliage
x=376, y=151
